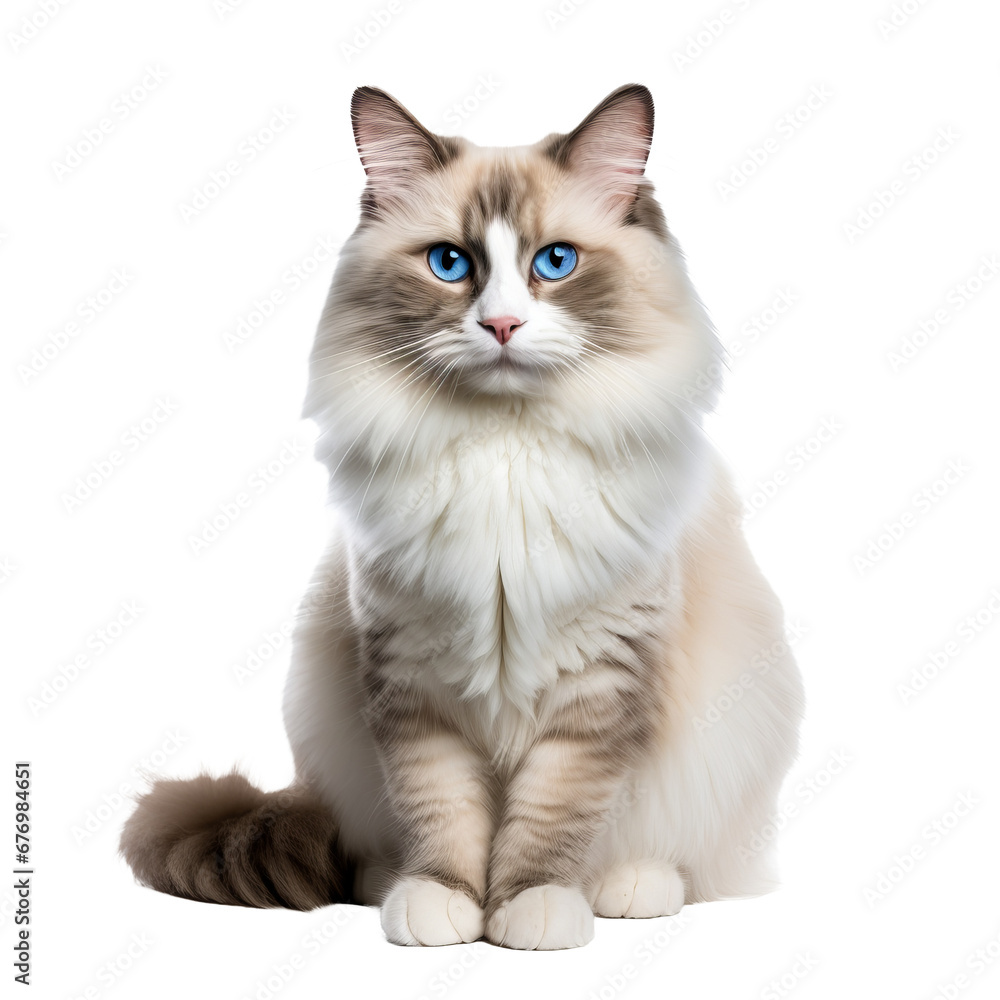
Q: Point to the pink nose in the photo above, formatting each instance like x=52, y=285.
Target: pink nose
x=502, y=327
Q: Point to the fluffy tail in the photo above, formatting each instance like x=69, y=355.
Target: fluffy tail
x=221, y=840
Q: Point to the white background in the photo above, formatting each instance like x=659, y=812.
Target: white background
x=879, y=767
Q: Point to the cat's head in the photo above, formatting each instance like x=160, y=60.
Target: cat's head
x=512, y=272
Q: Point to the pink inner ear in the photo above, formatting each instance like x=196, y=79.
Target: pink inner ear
x=610, y=150
x=390, y=157
x=613, y=163
x=393, y=145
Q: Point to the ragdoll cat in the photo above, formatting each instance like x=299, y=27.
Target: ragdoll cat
x=511, y=693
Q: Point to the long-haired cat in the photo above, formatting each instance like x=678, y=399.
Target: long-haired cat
x=538, y=675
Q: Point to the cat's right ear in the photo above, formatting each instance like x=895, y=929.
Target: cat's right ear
x=393, y=145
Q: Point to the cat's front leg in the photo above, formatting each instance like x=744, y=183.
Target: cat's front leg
x=439, y=789
x=554, y=805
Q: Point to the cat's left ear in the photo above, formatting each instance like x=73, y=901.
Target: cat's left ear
x=610, y=146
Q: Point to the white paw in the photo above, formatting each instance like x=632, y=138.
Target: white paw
x=542, y=918
x=640, y=890
x=421, y=911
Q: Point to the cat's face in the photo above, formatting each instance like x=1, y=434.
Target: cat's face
x=507, y=271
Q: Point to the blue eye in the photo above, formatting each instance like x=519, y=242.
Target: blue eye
x=448, y=262
x=554, y=261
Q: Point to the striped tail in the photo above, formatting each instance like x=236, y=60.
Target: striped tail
x=221, y=840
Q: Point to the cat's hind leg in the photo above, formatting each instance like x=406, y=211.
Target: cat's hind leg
x=646, y=888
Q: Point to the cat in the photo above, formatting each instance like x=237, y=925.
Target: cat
x=538, y=675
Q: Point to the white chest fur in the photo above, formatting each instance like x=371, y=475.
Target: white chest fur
x=502, y=552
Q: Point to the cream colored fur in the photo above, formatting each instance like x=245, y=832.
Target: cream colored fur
x=514, y=677
x=507, y=521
